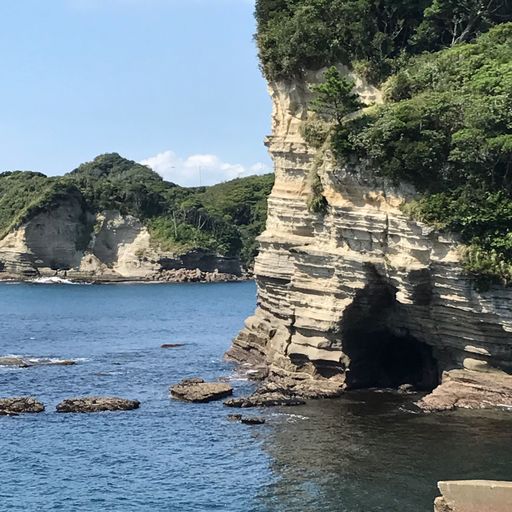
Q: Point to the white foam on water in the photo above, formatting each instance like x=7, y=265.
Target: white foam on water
x=55, y=280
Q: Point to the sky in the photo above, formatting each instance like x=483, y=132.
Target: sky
x=173, y=84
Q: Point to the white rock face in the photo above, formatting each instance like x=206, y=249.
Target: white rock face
x=67, y=240
x=356, y=297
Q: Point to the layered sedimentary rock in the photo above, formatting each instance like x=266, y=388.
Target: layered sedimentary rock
x=69, y=241
x=361, y=296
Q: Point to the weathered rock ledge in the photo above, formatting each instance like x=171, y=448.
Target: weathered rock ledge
x=364, y=296
x=474, y=496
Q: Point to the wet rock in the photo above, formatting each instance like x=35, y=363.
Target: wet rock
x=20, y=405
x=234, y=417
x=252, y=420
x=97, y=404
x=269, y=395
x=172, y=345
x=26, y=362
x=197, y=390
x=406, y=389
x=14, y=361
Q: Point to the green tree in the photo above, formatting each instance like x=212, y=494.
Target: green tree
x=335, y=97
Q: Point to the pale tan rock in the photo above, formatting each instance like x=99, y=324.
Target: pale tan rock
x=469, y=389
x=363, y=266
x=474, y=496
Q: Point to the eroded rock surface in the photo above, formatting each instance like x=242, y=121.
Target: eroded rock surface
x=20, y=405
x=469, y=389
x=362, y=296
x=197, y=390
x=97, y=404
x=69, y=242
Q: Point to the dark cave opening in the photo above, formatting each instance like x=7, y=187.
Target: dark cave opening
x=383, y=360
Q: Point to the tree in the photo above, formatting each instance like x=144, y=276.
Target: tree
x=334, y=98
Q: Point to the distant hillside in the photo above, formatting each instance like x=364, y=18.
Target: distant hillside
x=223, y=219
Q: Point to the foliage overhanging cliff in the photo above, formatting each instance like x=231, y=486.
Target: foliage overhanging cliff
x=446, y=122
x=224, y=218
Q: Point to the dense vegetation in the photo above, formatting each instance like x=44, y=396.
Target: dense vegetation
x=445, y=67
x=447, y=129
x=373, y=36
x=224, y=218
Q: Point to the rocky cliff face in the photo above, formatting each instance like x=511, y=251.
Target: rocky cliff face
x=364, y=296
x=70, y=241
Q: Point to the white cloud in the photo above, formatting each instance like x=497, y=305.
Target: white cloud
x=201, y=169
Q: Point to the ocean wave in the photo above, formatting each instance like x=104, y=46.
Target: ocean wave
x=55, y=280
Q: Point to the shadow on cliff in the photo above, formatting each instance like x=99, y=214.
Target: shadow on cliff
x=381, y=353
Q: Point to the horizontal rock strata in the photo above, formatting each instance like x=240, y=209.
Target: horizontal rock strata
x=362, y=296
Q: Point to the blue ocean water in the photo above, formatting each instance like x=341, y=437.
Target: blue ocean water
x=361, y=453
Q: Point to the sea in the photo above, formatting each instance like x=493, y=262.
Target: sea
x=364, y=452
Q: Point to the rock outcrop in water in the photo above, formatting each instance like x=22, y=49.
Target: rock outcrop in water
x=197, y=390
x=364, y=296
x=20, y=405
x=90, y=404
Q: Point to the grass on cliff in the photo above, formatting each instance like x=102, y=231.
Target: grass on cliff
x=224, y=219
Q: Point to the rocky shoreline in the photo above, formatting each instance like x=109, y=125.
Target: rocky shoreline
x=170, y=276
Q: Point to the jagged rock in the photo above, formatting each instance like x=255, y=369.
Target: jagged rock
x=234, y=417
x=19, y=405
x=468, y=389
x=338, y=290
x=97, y=404
x=197, y=390
x=252, y=420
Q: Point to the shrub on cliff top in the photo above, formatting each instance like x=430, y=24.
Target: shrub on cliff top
x=297, y=35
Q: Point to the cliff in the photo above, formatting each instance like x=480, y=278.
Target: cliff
x=115, y=220
x=363, y=295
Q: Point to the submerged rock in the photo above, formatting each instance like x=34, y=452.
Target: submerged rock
x=252, y=420
x=97, y=404
x=234, y=417
x=172, y=345
x=14, y=361
x=20, y=405
x=27, y=362
x=197, y=390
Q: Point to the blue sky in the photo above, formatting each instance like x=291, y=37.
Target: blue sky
x=173, y=83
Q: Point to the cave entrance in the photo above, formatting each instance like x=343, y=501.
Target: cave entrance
x=384, y=360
